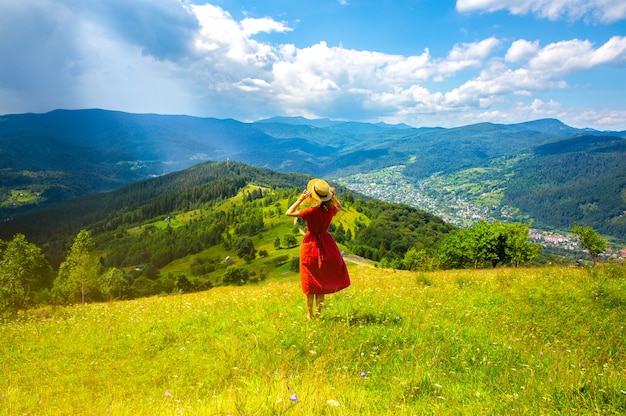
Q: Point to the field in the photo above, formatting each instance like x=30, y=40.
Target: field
x=503, y=341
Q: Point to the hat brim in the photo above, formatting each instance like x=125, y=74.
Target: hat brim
x=315, y=195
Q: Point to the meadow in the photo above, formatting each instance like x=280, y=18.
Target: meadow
x=470, y=342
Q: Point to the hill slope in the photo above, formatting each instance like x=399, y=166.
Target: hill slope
x=506, y=341
x=199, y=216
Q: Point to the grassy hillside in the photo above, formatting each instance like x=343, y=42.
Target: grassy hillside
x=503, y=341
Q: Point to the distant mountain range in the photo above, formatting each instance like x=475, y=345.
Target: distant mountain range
x=67, y=153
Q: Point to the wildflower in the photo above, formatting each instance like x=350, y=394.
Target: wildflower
x=333, y=403
x=363, y=374
x=294, y=398
x=167, y=394
x=478, y=395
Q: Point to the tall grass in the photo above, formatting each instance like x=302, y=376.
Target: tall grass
x=505, y=341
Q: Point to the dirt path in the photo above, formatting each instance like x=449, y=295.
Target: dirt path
x=361, y=261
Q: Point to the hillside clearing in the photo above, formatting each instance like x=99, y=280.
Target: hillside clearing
x=501, y=341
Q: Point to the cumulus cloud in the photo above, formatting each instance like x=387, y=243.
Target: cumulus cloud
x=602, y=11
x=176, y=57
x=521, y=50
x=578, y=55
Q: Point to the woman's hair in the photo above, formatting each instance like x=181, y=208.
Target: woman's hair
x=326, y=205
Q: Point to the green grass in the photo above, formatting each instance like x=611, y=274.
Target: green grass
x=505, y=341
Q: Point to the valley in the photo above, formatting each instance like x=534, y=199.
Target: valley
x=460, y=199
x=539, y=172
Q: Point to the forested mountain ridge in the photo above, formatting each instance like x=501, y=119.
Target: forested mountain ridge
x=66, y=153
x=50, y=158
x=577, y=180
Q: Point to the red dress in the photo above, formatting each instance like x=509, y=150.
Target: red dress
x=322, y=269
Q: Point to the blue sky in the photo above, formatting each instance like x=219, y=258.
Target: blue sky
x=421, y=62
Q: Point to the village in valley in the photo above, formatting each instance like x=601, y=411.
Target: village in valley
x=461, y=204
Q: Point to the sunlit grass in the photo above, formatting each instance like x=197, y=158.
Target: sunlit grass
x=504, y=341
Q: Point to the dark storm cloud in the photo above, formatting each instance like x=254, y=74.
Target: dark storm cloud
x=37, y=45
x=163, y=29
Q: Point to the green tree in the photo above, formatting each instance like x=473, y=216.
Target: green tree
x=78, y=275
x=591, y=240
x=294, y=265
x=416, y=260
x=277, y=243
x=456, y=250
x=518, y=247
x=289, y=240
x=235, y=275
x=150, y=271
x=487, y=245
x=23, y=271
x=113, y=284
x=244, y=246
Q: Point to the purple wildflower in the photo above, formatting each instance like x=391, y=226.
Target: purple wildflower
x=294, y=398
x=363, y=374
x=167, y=394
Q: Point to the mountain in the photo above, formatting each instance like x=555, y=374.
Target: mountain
x=50, y=158
x=575, y=180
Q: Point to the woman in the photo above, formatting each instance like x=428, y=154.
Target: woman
x=322, y=269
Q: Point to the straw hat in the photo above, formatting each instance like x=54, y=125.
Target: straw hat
x=319, y=190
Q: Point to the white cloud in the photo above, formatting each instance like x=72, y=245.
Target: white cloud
x=467, y=55
x=521, y=50
x=566, y=57
x=218, y=68
x=603, y=11
x=253, y=26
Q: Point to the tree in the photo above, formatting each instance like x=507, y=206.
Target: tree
x=150, y=271
x=289, y=240
x=113, y=283
x=23, y=270
x=78, y=275
x=277, y=243
x=416, y=260
x=294, y=265
x=235, y=275
x=591, y=240
x=244, y=247
x=487, y=245
x=518, y=247
x=183, y=284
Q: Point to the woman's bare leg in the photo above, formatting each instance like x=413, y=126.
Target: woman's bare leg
x=309, y=305
x=320, y=304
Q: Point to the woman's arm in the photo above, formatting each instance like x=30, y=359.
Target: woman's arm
x=292, y=211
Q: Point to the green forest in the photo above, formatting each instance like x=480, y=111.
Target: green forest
x=582, y=180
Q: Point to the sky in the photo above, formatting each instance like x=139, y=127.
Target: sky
x=421, y=62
